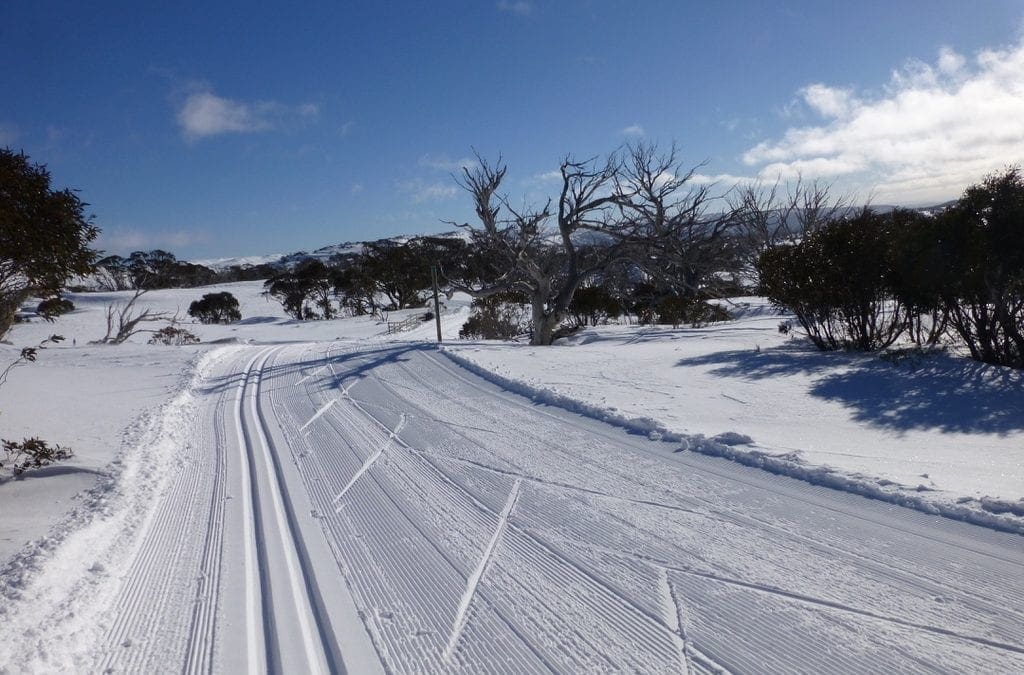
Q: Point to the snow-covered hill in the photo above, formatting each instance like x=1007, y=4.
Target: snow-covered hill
x=324, y=254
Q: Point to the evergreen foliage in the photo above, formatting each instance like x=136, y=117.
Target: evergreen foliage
x=215, y=308
x=44, y=235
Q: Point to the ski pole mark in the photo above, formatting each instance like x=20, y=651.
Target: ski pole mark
x=674, y=618
x=318, y=414
x=370, y=460
x=461, y=615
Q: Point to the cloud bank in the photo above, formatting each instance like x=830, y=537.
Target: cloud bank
x=931, y=131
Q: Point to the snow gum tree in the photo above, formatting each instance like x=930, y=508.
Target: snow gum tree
x=44, y=235
x=543, y=253
x=636, y=212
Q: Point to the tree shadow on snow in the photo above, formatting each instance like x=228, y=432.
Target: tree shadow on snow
x=323, y=371
x=937, y=391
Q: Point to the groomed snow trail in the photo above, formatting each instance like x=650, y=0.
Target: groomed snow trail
x=374, y=507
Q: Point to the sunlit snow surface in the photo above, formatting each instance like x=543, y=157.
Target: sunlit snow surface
x=297, y=502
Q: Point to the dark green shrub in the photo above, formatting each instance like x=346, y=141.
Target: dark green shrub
x=980, y=246
x=837, y=282
x=593, y=305
x=916, y=271
x=216, y=308
x=501, y=316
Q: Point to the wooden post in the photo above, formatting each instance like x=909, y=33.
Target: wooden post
x=437, y=305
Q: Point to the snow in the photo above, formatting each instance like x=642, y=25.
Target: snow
x=312, y=496
x=937, y=432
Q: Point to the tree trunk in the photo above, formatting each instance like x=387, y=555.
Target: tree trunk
x=544, y=322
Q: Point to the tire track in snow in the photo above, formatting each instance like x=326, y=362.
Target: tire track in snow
x=620, y=602
x=255, y=647
x=180, y=540
x=756, y=522
x=399, y=491
x=390, y=651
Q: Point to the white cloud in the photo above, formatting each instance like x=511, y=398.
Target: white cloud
x=828, y=101
x=950, y=62
x=204, y=113
x=123, y=240
x=931, y=131
x=634, y=130
x=421, y=191
x=520, y=7
x=356, y=188
x=445, y=163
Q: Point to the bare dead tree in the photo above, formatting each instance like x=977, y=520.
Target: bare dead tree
x=536, y=251
x=772, y=215
x=124, y=320
x=681, y=235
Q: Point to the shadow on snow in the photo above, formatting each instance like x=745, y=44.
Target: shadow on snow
x=924, y=392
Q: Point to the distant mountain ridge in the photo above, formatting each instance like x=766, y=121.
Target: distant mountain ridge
x=349, y=248
x=324, y=254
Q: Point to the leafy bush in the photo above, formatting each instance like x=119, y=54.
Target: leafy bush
x=501, y=316
x=916, y=276
x=980, y=277
x=173, y=337
x=216, y=308
x=53, y=307
x=31, y=453
x=838, y=283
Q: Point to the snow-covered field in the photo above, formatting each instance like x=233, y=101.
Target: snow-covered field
x=311, y=496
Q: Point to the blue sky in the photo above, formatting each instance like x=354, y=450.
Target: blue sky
x=220, y=129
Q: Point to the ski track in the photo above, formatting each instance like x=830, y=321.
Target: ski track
x=436, y=523
x=458, y=426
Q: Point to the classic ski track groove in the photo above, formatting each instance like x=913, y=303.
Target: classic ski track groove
x=313, y=628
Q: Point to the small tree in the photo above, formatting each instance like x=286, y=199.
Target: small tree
x=44, y=235
x=173, y=336
x=544, y=252
x=300, y=290
x=216, y=308
x=501, y=316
